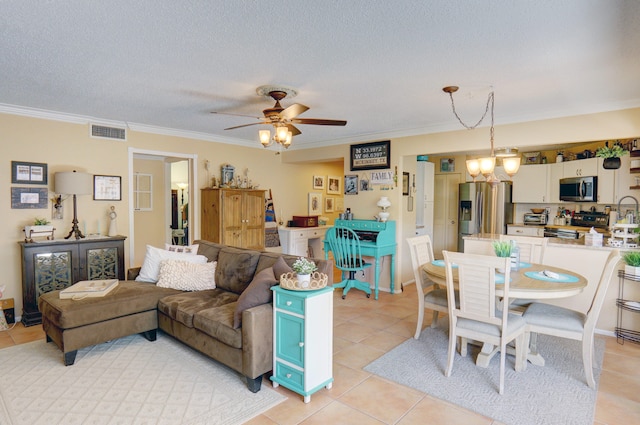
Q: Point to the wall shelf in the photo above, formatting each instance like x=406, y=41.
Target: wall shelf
x=623, y=333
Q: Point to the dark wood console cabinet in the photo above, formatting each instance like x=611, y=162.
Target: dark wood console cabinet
x=51, y=265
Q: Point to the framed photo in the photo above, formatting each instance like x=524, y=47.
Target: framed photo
x=227, y=172
x=405, y=184
x=351, y=184
x=333, y=185
x=107, y=188
x=447, y=165
x=318, y=182
x=338, y=204
x=28, y=172
x=371, y=156
x=365, y=185
x=29, y=198
x=531, y=158
x=329, y=204
x=315, y=203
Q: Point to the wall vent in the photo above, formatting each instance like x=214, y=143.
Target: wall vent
x=104, y=132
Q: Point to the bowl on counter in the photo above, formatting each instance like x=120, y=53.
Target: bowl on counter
x=537, y=210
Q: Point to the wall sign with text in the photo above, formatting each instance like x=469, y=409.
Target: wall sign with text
x=371, y=156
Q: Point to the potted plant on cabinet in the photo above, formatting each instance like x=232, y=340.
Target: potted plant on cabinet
x=632, y=263
x=611, y=156
x=303, y=268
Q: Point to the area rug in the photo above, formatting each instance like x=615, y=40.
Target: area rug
x=556, y=393
x=125, y=381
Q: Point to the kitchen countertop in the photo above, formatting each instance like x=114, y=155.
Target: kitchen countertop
x=573, y=243
x=557, y=226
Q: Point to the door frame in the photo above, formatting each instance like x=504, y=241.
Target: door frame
x=194, y=208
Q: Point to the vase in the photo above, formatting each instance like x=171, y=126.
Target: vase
x=304, y=280
x=611, y=163
x=631, y=270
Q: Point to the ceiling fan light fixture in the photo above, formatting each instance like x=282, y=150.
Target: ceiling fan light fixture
x=265, y=137
x=287, y=141
x=281, y=133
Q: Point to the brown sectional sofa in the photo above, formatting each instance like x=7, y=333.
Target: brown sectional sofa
x=204, y=320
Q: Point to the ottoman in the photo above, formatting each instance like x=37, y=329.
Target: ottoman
x=128, y=309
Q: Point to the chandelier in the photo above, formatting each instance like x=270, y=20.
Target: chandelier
x=486, y=166
x=282, y=135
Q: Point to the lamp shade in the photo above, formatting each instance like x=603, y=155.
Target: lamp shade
x=73, y=183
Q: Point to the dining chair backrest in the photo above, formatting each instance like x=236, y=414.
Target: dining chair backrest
x=531, y=248
x=421, y=250
x=476, y=285
x=603, y=285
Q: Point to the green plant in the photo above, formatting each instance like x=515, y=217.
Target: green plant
x=632, y=258
x=615, y=151
x=304, y=266
x=502, y=248
x=40, y=222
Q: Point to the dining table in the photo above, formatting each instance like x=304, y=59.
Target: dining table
x=530, y=281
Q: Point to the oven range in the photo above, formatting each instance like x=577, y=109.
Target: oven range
x=580, y=224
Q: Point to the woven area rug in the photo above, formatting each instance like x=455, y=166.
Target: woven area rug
x=556, y=393
x=125, y=381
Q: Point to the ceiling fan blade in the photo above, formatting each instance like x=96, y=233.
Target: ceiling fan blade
x=236, y=115
x=317, y=121
x=246, y=125
x=293, y=111
x=294, y=131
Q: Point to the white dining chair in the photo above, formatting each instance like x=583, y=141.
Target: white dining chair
x=430, y=295
x=531, y=248
x=565, y=323
x=477, y=318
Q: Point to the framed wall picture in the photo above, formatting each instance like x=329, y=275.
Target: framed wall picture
x=315, y=203
x=405, y=184
x=29, y=198
x=447, y=165
x=371, y=156
x=28, y=172
x=329, y=204
x=107, y=188
x=318, y=182
x=333, y=185
x=351, y=184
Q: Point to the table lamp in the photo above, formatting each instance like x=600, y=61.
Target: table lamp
x=73, y=183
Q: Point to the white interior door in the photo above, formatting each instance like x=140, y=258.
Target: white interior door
x=445, y=213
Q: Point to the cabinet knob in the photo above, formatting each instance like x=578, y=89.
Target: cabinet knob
x=301, y=344
x=288, y=375
x=288, y=303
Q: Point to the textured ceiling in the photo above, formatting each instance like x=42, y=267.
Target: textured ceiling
x=379, y=65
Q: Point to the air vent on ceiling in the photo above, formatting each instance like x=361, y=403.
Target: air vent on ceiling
x=104, y=132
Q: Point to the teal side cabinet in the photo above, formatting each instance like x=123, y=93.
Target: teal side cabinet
x=303, y=340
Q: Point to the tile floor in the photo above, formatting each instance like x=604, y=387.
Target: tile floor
x=364, y=329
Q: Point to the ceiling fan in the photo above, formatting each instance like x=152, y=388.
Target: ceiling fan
x=282, y=119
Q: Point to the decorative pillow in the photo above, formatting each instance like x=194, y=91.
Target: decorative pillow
x=186, y=276
x=257, y=293
x=280, y=267
x=190, y=249
x=236, y=268
x=153, y=257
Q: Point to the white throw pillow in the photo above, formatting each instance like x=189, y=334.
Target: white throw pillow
x=153, y=257
x=187, y=276
x=187, y=249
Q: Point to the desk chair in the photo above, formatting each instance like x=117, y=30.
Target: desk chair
x=434, y=299
x=344, y=243
x=558, y=321
x=477, y=317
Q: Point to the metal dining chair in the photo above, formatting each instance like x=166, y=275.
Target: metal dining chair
x=344, y=244
x=478, y=318
x=430, y=295
x=565, y=323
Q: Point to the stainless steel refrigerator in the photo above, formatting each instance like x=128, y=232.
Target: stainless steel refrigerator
x=475, y=209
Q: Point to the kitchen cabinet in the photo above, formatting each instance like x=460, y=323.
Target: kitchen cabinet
x=556, y=172
x=303, y=340
x=233, y=217
x=580, y=168
x=537, y=231
x=531, y=184
x=58, y=264
x=625, y=181
x=606, y=183
x=303, y=241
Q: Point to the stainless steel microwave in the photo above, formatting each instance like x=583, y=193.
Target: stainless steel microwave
x=579, y=189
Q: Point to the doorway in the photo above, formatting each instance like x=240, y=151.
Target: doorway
x=151, y=214
x=445, y=213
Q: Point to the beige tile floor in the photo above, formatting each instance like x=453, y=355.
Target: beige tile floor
x=364, y=329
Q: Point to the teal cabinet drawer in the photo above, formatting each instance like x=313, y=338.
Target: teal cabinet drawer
x=290, y=377
x=290, y=302
x=290, y=345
